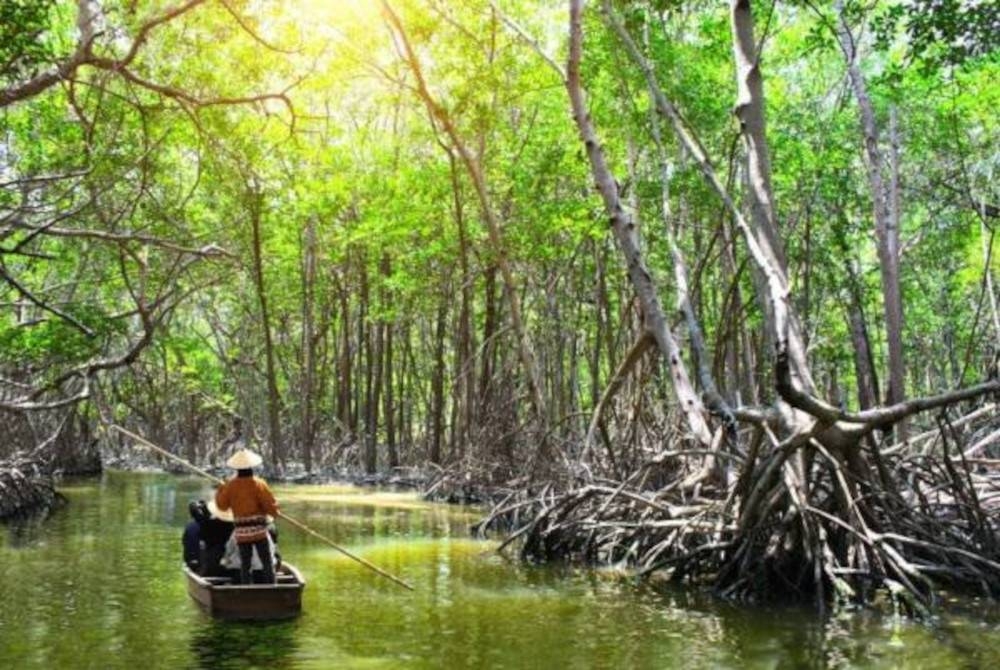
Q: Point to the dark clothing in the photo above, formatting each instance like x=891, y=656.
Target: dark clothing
x=211, y=561
x=191, y=540
x=216, y=532
x=246, y=558
x=204, y=540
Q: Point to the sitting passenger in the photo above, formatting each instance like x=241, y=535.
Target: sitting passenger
x=205, y=537
x=191, y=539
x=216, y=530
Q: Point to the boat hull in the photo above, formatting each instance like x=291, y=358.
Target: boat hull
x=256, y=602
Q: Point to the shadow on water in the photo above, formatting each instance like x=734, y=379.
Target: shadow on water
x=219, y=644
x=23, y=530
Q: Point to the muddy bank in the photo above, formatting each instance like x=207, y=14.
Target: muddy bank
x=29, y=487
x=403, y=478
x=434, y=484
x=468, y=487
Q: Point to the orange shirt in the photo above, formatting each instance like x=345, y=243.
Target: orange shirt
x=246, y=496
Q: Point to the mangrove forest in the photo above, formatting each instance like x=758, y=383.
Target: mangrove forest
x=698, y=292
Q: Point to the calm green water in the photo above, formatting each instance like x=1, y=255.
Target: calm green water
x=98, y=585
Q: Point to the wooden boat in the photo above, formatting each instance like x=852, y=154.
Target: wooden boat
x=223, y=598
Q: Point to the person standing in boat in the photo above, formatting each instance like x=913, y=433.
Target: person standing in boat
x=251, y=501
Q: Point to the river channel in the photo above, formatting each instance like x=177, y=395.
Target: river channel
x=98, y=585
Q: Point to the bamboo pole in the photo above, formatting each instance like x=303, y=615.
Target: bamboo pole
x=295, y=522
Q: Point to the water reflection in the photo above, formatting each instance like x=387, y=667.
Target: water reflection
x=99, y=585
x=22, y=531
x=216, y=644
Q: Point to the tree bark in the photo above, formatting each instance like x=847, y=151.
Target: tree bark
x=886, y=211
x=624, y=231
x=864, y=361
x=464, y=385
x=388, y=411
x=366, y=369
x=750, y=111
x=776, y=285
x=710, y=392
x=489, y=353
x=377, y=367
x=344, y=362
x=437, y=391
x=308, y=341
x=273, y=397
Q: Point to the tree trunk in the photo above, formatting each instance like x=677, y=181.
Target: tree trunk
x=600, y=311
x=388, y=411
x=864, y=362
x=475, y=170
x=308, y=341
x=344, y=363
x=405, y=393
x=750, y=111
x=464, y=368
x=437, y=391
x=624, y=230
x=377, y=366
x=366, y=368
x=699, y=353
x=273, y=398
x=886, y=213
x=490, y=325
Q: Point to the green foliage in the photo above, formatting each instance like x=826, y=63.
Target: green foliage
x=942, y=32
x=399, y=227
x=55, y=342
x=27, y=42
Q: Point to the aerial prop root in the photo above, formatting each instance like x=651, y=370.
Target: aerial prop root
x=840, y=531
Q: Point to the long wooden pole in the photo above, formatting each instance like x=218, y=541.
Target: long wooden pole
x=295, y=522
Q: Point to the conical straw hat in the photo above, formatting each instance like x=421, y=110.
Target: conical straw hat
x=217, y=513
x=243, y=459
